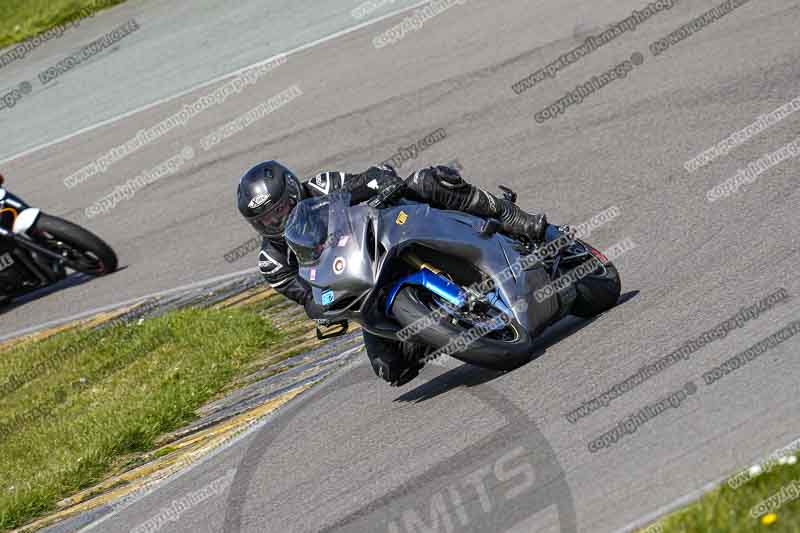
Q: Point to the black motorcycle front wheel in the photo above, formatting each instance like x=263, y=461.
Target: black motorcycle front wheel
x=504, y=348
x=86, y=252
x=599, y=291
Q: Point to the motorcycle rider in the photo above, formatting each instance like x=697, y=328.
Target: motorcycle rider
x=268, y=192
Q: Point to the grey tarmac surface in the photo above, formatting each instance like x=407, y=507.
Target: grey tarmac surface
x=178, y=46
x=462, y=448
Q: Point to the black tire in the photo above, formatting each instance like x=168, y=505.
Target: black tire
x=484, y=352
x=99, y=257
x=598, y=292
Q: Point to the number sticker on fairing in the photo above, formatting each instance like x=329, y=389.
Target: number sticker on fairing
x=328, y=297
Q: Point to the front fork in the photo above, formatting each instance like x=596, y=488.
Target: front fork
x=46, y=265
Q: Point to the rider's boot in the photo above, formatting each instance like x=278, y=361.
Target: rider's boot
x=394, y=361
x=444, y=187
x=516, y=222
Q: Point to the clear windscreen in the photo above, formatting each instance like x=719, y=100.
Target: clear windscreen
x=315, y=222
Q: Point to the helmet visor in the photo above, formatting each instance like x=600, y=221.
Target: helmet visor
x=273, y=222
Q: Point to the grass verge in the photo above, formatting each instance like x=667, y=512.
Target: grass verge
x=74, y=405
x=25, y=19
x=767, y=500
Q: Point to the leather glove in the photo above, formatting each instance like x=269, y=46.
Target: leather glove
x=385, y=180
x=447, y=178
x=387, y=168
x=447, y=175
x=382, y=177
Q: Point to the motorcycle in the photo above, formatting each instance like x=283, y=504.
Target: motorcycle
x=411, y=274
x=37, y=249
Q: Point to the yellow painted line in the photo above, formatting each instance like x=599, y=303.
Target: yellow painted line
x=188, y=450
x=249, y=296
x=300, y=342
x=183, y=451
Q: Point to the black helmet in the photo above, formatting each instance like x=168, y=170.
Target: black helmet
x=267, y=194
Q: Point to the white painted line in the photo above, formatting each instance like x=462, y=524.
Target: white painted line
x=111, y=307
x=681, y=502
x=212, y=81
x=685, y=500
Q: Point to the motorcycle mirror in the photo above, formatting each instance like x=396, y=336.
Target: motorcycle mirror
x=508, y=194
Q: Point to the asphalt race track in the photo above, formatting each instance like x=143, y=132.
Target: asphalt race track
x=464, y=449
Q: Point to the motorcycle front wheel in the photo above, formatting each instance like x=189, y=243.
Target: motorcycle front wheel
x=599, y=291
x=499, y=348
x=87, y=253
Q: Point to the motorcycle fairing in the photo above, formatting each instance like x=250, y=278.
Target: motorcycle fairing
x=374, y=237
